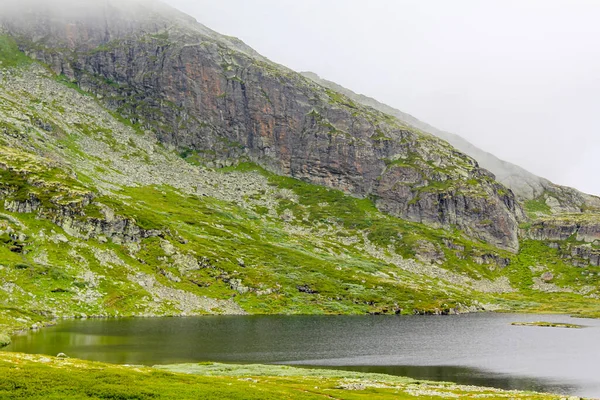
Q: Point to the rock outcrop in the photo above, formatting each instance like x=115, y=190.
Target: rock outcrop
x=575, y=236
x=523, y=183
x=585, y=228
x=212, y=94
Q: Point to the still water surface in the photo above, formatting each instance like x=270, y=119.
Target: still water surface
x=480, y=349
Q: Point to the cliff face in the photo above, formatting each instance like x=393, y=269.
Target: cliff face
x=524, y=184
x=213, y=95
x=582, y=229
x=575, y=236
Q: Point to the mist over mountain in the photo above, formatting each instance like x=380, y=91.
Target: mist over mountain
x=526, y=94
x=523, y=183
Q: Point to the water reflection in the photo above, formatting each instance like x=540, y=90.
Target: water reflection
x=464, y=376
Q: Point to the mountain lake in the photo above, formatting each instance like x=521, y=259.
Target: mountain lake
x=474, y=349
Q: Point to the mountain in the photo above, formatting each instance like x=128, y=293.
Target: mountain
x=524, y=184
x=150, y=166
x=166, y=73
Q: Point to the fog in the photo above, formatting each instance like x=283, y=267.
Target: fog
x=517, y=78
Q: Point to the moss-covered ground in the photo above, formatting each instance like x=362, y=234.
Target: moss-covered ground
x=40, y=377
x=10, y=55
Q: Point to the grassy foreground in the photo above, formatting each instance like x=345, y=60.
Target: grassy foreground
x=41, y=377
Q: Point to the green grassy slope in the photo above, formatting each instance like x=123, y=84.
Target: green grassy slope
x=37, y=377
x=10, y=55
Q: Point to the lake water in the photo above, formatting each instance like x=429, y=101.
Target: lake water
x=480, y=349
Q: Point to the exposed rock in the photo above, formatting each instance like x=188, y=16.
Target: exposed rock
x=236, y=284
x=186, y=263
x=306, y=289
x=353, y=386
x=492, y=259
x=119, y=230
x=500, y=285
x=59, y=238
x=587, y=253
x=585, y=228
x=26, y=206
x=547, y=276
x=107, y=257
x=523, y=183
x=429, y=252
x=187, y=303
x=544, y=286
x=169, y=275
x=167, y=247
x=206, y=104
x=454, y=246
x=202, y=91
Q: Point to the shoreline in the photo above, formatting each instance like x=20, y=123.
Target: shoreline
x=307, y=367
x=215, y=380
x=11, y=332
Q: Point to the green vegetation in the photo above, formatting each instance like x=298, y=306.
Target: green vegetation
x=100, y=227
x=536, y=207
x=548, y=324
x=40, y=377
x=275, y=259
x=337, y=98
x=97, y=219
x=10, y=55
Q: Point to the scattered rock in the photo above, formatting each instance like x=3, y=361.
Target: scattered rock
x=306, y=289
x=547, y=276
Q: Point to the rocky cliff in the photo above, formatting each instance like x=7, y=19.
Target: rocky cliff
x=210, y=94
x=523, y=183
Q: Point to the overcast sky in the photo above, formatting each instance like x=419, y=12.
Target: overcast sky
x=520, y=79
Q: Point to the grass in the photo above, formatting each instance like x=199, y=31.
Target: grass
x=548, y=324
x=331, y=254
x=10, y=55
x=537, y=207
x=68, y=83
x=304, y=249
x=40, y=377
x=342, y=279
x=277, y=258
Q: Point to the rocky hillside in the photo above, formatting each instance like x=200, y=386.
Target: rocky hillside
x=562, y=216
x=525, y=185
x=153, y=167
x=210, y=94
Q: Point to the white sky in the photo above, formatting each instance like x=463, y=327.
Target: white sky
x=518, y=78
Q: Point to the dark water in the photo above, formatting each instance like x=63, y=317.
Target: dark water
x=480, y=349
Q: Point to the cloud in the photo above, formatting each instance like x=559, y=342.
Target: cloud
x=517, y=78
